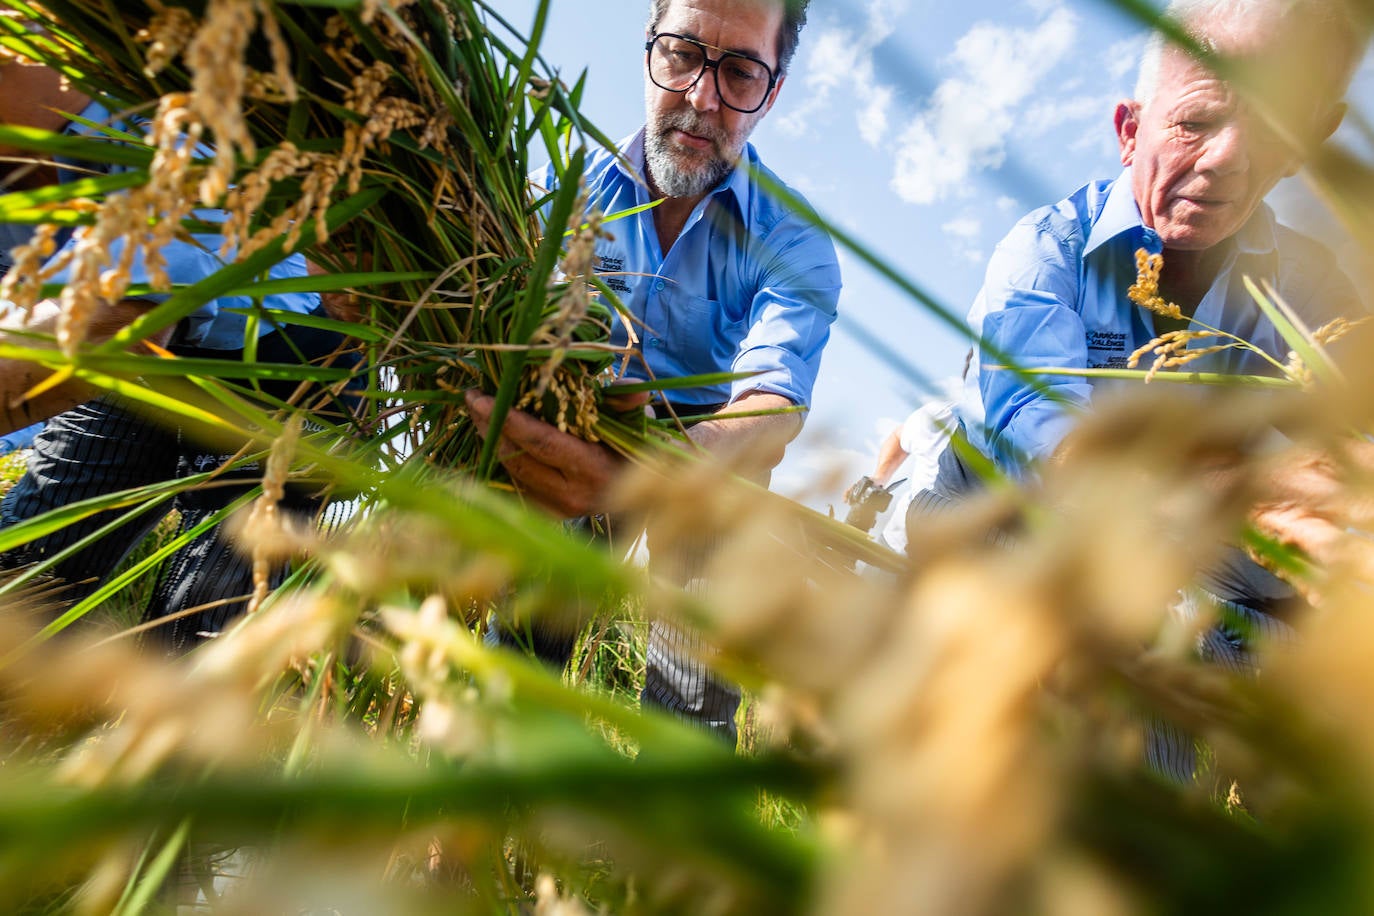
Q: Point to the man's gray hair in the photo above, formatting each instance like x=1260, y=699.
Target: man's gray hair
x=1347, y=28
x=793, y=20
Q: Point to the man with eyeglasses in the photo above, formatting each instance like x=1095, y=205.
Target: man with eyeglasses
x=720, y=276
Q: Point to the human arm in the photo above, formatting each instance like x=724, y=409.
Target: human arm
x=891, y=456
x=569, y=477
x=34, y=96
x=756, y=303
x=869, y=492
x=1318, y=501
x=759, y=441
x=1026, y=315
x=557, y=471
x=19, y=376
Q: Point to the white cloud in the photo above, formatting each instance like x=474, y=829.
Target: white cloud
x=962, y=234
x=817, y=471
x=804, y=184
x=963, y=130
x=964, y=227
x=1006, y=203
x=1050, y=115
x=841, y=59
x=1122, y=59
x=873, y=116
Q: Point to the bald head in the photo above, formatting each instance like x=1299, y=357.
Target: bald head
x=1321, y=40
x=1213, y=128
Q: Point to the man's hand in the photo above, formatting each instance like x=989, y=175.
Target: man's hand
x=866, y=500
x=18, y=377
x=559, y=472
x=862, y=489
x=754, y=444
x=1322, y=504
x=569, y=476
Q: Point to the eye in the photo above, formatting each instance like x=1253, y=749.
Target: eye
x=741, y=70
x=742, y=73
x=680, y=53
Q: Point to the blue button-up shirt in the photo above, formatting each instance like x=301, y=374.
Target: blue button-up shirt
x=748, y=286
x=211, y=326
x=1055, y=296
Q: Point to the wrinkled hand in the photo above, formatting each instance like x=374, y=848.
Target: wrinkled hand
x=561, y=473
x=25, y=392
x=624, y=403
x=862, y=489
x=1322, y=504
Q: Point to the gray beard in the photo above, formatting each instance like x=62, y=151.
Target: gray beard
x=661, y=162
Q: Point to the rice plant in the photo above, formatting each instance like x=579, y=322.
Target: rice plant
x=963, y=735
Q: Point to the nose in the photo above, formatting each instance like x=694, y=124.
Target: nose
x=1227, y=150
x=703, y=95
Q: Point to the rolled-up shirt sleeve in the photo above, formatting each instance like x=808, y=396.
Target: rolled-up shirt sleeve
x=791, y=313
x=1026, y=318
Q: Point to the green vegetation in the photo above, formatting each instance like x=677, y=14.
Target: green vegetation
x=962, y=736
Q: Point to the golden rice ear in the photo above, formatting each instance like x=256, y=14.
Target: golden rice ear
x=1351, y=347
x=219, y=78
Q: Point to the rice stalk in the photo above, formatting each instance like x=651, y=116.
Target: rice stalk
x=963, y=735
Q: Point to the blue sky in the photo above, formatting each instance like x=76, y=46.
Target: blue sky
x=923, y=128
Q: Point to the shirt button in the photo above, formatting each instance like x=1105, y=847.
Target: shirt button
x=658, y=286
x=656, y=343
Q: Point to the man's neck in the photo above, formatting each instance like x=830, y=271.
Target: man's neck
x=1188, y=275
x=670, y=216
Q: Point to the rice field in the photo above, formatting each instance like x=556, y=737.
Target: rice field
x=960, y=731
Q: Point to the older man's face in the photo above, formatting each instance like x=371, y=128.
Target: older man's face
x=1202, y=158
x=692, y=140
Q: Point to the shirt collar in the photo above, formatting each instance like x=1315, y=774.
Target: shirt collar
x=1120, y=214
x=631, y=165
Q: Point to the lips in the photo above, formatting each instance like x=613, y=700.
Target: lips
x=693, y=141
x=690, y=132
x=1205, y=198
x=1205, y=206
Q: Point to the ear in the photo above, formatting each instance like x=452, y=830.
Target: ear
x=772, y=96
x=1325, y=127
x=1127, y=122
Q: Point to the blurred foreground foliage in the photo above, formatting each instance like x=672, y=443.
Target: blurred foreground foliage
x=957, y=733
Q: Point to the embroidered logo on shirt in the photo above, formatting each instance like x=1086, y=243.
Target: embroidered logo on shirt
x=1106, y=340
x=1103, y=343
x=612, y=270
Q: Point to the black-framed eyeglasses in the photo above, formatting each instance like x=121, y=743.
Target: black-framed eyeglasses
x=677, y=62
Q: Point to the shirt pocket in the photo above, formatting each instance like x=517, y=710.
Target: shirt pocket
x=700, y=334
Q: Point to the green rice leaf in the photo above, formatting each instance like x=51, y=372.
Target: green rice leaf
x=530, y=312
x=1294, y=332
x=86, y=149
